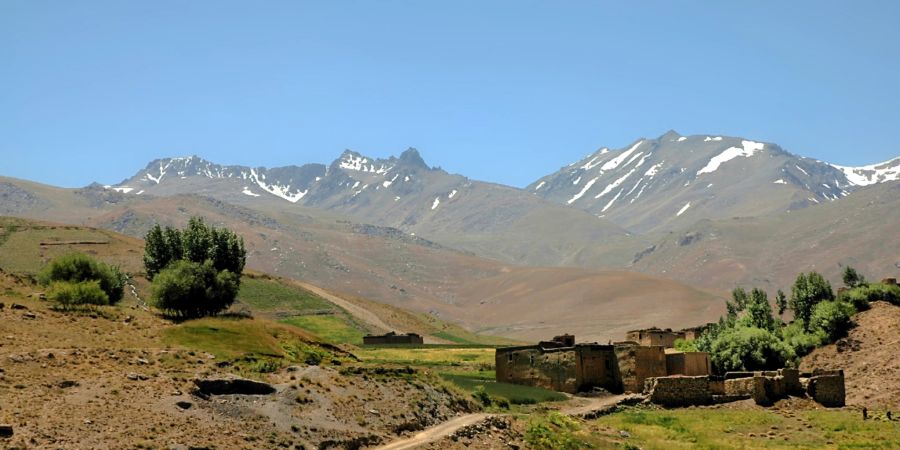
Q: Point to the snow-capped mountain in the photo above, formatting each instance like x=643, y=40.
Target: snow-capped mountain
x=871, y=174
x=676, y=180
x=401, y=192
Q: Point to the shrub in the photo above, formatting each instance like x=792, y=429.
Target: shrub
x=69, y=294
x=748, y=348
x=861, y=296
x=831, y=319
x=800, y=341
x=77, y=267
x=557, y=431
x=188, y=289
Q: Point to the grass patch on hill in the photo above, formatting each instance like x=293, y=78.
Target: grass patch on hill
x=268, y=295
x=333, y=328
x=756, y=428
x=432, y=356
x=514, y=393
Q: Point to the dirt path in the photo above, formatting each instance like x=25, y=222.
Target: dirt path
x=435, y=433
x=585, y=407
x=360, y=313
x=593, y=404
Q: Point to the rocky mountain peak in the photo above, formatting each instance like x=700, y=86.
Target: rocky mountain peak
x=411, y=157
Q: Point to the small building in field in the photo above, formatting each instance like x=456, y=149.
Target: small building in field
x=562, y=365
x=688, y=363
x=393, y=338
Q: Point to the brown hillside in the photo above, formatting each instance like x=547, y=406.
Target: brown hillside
x=869, y=357
x=536, y=303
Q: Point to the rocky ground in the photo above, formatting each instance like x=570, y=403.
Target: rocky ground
x=104, y=381
x=869, y=357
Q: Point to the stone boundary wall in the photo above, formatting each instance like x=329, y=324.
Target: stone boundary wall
x=678, y=390
x=827, y=388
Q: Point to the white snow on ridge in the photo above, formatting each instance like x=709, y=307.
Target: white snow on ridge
x=801, y=169
x=748, y=149
x=359, y=163
x=583, y=190
x=682, y=139
x=613, y=163
x=540, y=185
x=779, y=181
x=873, y=173
x=709, y=138
x=247, y=191
x=612, y=201
x=653, y=170
x=577, y=180
x=123, y=189
x=683, y=209
x=621, y=180
x=437, y=201
x=452, y=194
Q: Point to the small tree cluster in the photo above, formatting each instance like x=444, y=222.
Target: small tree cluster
x=198, y=242
x=751, y=337
x=77, y=279
x=196, y=271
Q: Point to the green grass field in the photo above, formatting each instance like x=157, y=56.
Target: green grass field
x=333, y=328
x=727, y=429
x=268, y=295
x=432, y=356
x=514, y=393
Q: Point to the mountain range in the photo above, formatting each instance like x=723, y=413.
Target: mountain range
x=706, y=211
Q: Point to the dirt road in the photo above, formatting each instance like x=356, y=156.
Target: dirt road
x=360, y=313
x=437, y=432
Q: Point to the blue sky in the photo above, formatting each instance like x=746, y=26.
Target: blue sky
x=503, y=91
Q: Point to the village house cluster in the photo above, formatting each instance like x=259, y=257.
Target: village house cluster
x=646, y=362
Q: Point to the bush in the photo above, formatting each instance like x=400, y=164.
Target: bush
x=861, y=296
x=69, y=294
x=188, y=289
x=77, y=268
x=800, y=341
x=808, y=291
x=748, y=348
x=831, y=319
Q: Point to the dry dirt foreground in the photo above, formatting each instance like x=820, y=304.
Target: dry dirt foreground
x=76, y=381
x=869, y=356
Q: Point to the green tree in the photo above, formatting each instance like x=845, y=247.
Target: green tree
x=808, y=291
x=187, y=289
x=852, y=278
x=781, y=302
x=737, y=304
x=759, y=310
x=77, y=268
x=157, y=252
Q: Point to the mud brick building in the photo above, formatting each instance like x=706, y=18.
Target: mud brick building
x=393, y=339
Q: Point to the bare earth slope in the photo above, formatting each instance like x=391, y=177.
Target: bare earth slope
x=534, y=303
x=870, y=357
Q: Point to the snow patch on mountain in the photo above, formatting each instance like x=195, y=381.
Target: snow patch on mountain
x=683, y=209
x=873, y=173
x=613, y=163
x=247, y=191
x=747, y=149
x=437, y=201
x=583, y=191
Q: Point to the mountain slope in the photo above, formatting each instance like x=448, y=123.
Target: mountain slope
x=674, y=180
x=862, y=230
x=402, y=192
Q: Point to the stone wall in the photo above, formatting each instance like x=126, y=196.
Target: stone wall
x=678, y=390
x=827, y=387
